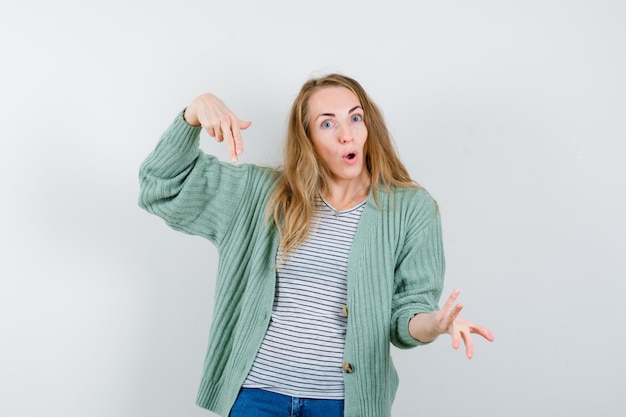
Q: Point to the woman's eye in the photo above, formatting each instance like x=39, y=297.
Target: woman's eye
x=326, y=124
x=357, y=118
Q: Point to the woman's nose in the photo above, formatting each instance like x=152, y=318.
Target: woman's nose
x=345, y=133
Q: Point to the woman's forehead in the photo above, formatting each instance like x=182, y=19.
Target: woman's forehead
x=335, y=99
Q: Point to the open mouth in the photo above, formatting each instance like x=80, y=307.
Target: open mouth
x=350, y=158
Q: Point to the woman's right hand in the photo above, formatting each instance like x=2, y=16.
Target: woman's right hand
x=219, y=121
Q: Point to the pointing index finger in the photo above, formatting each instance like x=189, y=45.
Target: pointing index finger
x=226, y=128
x=237, y=139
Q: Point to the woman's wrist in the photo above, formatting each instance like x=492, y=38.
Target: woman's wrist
x=190, y=117
x=421, y=327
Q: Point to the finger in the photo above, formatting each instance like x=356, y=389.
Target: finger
x=450, y=301
x=483, y=331
x=228, y=137
x=240, y=125
x=214, y=130
x=469, y=344
x=456, y=339
x=207, y=125
x=211, y=131
x=219, y=133
x=244, y=125
x=452, y=316
x=237, y=139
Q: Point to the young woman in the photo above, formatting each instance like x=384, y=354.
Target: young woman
x=322, y=263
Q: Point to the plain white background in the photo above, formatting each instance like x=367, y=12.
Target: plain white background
x=511, y=113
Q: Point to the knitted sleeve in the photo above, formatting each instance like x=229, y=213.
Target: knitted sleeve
x=418, y=280
x=193, y=192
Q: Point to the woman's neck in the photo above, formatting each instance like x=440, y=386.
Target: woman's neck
x=346, y=195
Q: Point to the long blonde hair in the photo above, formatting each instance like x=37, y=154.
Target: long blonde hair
x=304, y=176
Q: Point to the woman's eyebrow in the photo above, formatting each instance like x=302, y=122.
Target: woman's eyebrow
x=333, y=114
x=355, y=108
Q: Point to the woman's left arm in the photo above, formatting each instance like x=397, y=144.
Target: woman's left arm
x=419, y=276
x=419, y=264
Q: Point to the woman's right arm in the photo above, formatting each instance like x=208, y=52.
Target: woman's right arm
x=193, y=192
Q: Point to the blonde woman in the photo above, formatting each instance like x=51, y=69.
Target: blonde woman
x=323, y=262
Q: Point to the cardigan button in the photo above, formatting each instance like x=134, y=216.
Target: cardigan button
x=347, y=367
x=345, y=310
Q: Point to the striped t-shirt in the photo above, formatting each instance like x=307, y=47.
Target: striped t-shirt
x=302, y=352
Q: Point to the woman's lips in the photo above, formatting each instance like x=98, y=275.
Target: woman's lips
x=350, y=158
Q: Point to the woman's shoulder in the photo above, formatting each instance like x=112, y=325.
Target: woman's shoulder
x=416, y=207
x=265, y=173
x=413, y=196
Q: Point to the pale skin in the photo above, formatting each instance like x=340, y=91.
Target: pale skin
x=338, y=134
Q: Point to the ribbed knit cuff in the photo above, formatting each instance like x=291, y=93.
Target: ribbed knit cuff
x=181, y=135
x=404, y=336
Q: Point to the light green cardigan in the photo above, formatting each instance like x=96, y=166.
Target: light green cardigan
x=395, y=268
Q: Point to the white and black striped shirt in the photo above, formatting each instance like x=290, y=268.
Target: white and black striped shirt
x=302, y=352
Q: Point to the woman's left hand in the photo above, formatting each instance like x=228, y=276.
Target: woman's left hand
x=427, y=327
x=460, y=329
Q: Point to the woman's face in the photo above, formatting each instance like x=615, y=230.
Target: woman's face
x=338, y=132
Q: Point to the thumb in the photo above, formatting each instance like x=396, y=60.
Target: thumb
x=244, y=125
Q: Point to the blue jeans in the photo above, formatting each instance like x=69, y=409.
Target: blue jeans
x=253, y=402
